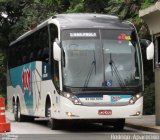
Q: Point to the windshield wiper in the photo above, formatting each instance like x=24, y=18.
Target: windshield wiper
x=116, y=72
x=93, y=64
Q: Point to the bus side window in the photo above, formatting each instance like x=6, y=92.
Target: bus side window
x=31, y=57
x=45, y=55
x=39, y=55
x=54, y=64
x=53, y=32
x=24, y=59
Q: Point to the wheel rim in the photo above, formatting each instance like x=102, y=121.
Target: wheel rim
x=49, y=112
x=18, y=111
x=13, y=107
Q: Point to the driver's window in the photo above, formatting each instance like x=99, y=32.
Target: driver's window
x=55, y=67
x=56, y=74
x=53, y=32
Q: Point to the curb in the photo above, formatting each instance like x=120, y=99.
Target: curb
x=141, y=127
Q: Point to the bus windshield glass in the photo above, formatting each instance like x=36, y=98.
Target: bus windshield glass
x=100, y=58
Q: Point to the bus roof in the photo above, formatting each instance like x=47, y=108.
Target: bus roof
x=85, y=20
x=81, y=20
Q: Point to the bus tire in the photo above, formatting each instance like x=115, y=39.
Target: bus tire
x=13, y=105
x=119, y=124
x=53, y=124
x=17, y=113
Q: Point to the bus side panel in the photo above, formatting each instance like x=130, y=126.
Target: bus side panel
x=36, y=86
x=48, y=89
x=24, y=85
x=32, y=83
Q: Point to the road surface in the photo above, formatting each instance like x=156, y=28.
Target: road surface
x=38, y=130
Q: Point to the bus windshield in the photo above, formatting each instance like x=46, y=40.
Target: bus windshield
x=100, y=58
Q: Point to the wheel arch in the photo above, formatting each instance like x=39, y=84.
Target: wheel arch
x=13, y=100
x=48, y=100
x=17, y=99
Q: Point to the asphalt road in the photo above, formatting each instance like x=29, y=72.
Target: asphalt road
x=38, y=130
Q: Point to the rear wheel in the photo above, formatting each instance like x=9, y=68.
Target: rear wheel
x=13, y=105
x=19, y=117
x=119, y=124
x=17, y=112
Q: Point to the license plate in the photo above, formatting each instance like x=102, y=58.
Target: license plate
x=105, y=112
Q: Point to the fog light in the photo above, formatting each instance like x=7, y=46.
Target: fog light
x=138, y=113
x=69, y=114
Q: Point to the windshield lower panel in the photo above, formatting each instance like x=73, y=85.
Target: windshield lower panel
x=109, y=61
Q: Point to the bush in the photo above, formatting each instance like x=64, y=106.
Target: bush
x=149, y=100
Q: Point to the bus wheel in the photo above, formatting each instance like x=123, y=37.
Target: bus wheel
x=13, y=105
x=53, y=124
x=119, y=124
x=17, y=113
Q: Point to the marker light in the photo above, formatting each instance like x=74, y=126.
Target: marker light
x=138, y=113
x=69, y=114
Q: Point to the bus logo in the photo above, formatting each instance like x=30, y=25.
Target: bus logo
x=116, y=98
x=26, y=75
x=109, y=83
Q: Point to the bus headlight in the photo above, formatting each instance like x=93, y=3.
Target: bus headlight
x=72, y=98
x=135, y=98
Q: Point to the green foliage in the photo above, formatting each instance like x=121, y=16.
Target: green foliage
x=76, y=6
x=147, y=3
x=2, y=75
x=98, y=6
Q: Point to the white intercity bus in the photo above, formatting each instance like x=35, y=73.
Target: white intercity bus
x=77, y=67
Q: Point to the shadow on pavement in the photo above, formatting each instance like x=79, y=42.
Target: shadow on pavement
x=84, y=127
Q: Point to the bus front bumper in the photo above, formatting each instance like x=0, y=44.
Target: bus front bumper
x=68, y=111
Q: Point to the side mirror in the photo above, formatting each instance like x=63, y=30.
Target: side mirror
x=145, y=43
x=149, y=48
x=56, y=52
x=150, y=51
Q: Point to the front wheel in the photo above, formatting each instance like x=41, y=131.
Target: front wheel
x=53, y=124
x=119, y=124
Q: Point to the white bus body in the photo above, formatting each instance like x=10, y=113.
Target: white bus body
x=96, y=76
